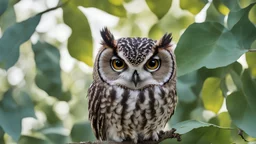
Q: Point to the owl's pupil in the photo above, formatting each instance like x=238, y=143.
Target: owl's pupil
x=152, y=63
x=119, y=63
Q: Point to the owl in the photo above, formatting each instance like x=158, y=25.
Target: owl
x=133, y=93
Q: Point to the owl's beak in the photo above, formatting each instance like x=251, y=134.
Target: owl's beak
x=135, y=78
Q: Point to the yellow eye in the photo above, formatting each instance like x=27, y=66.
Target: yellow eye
x=117, y=64
x=153, y=65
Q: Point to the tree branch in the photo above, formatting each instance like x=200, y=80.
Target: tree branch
x=162, y=136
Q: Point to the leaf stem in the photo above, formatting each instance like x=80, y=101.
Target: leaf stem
x=252, y=50
x=54, y=8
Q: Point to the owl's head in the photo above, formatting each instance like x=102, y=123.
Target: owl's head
x=135, y=63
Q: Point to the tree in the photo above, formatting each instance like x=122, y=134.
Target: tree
x=43, y=90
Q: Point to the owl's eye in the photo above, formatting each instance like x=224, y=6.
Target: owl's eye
x=153, y=64
x=117, y=64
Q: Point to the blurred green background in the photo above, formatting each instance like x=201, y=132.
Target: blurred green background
x=46, y=60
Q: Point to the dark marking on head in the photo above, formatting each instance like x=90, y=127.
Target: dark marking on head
x=165, y=41
x=108, y=38
x=135, y=49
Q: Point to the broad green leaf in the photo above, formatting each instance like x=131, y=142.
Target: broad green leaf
x=114, y=7
x=80, y=42
x=236, y=16
x=193, y=6
x=241, y=105
x=9, y=17
x=47, y=59
x=214, y=15
x=13, y=110
x=223, y=119
x=13, y=37
x=156, y=32
x=57, y=135
x=187, y=126
x=196, y=132
x=32, y=140
x=82, y=132
x=183, y=112
x=160, y=7
x=251, y=61
x=2, y=136
x=220, y=7
x=232, y=5
x=252, y=15
x=184, y=87
x=3, y=6
x=207, y=44
x=212, y=95
x=244, y=31
x=245, y=3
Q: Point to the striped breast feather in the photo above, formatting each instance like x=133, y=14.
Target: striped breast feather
x=95, y=93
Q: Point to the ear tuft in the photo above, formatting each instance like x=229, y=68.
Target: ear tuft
x=165, y=41
x=108, y=38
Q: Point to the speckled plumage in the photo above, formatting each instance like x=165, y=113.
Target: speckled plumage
x=120, y=110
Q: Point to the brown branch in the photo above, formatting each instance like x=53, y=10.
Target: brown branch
x=162, y=136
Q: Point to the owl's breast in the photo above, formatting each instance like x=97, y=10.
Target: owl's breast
x=137, y=113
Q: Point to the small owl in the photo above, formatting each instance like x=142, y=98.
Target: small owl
x=133, y=94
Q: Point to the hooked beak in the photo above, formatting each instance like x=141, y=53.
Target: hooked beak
x=135, y=78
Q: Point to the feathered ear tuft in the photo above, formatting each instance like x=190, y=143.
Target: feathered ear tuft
x=108, y=38
x=165, y=41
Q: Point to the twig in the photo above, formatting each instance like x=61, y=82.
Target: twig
x=54, y=8
x=252, y=50
x=162, y=136
x=241, y=133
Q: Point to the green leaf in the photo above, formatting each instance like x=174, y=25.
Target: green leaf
x=220, y=7
x=13, y=37
x=156, y=32
x=207, y=44
x=49, y=112
x=160, y=7
x=236, y=16
x=13, y=110
x=193, y=6
x=244, y=31
x=252, y=15
x=32, y=140
x=232, y=5
x=241, y=105
x=80, y=42
x=3, y=6
x=251, y=59
x=57, y=135
x=2, y=136
x=114, y=7
x=214, y=15
x=223, y=119
x=9, y=17
x=195, y=132
x=82, y=132
x=212, y=95
x=184, y=87
x=47, y=59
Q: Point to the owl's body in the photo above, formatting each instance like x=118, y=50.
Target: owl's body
x=133, y=94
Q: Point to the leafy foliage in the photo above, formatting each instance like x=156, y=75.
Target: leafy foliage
x=43, y=89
